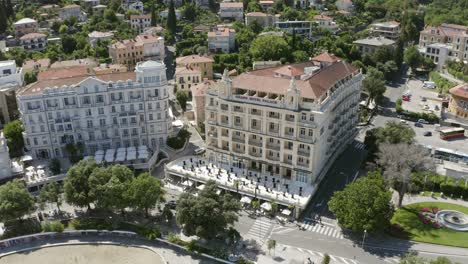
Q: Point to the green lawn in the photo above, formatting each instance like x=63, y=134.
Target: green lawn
x=407, y=217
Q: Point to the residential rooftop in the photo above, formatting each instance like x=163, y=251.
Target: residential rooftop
x=377, y=41
x=25, y=20
x=460, y=90
x=194, y=59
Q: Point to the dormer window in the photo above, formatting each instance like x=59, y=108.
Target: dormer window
x=110, y=85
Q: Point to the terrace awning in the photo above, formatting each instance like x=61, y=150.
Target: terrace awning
x=266, y=206
x=246, y=200
x=286, y=212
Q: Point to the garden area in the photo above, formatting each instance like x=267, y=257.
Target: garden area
x=178, y=141
x=416, y=222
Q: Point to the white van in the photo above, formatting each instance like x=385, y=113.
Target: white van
x=429, y=85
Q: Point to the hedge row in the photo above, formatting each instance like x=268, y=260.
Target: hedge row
x=429, y=181
x=414, y=116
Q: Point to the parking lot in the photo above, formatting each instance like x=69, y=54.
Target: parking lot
x=422, y=99
x=460, y=144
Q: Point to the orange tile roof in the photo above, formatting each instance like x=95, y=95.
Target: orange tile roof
x=61, y=73
x=322, y=17
x=39, y=86
x=194, y=59
x=325, y=57
x=140, y=16
x=231, y=4
x=460, y=90
x=312, y=87
x=33, y=36
x=71, y=6
x=187, y=70
x=256, y=14
x=220, y=32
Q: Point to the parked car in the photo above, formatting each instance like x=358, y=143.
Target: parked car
x=171, y=204
x=199, y=151
x=417, y=124
x=407, y=99
x=403, y=121
x=422, y=121
x=429, y=85
x=427, y=134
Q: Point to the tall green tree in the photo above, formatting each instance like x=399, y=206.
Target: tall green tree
x=171, y=19
x=3, y=19
x=413, y=58
x=364, y=204
x=77, y=185
x=374, y=85
x=109, y=186
x=154, y=16
x=182, y=97
x=399, y=53
x=145, y=192
x=207, y=215
x=392, y=133
x=51, y=193
x=15, y=201
x=269, y=47
x=14, y=136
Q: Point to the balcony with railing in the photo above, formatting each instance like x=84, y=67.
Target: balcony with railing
x=302, y=164
x=290, y=118
x=224, y=107
x=238, y=139
x=273, y=157
x=303, y=152
x=274, y=146
x=240, y=150
x=238, y=109
x=289, y=134
x=256, y=112
x=239, y=125
x=256, y=142
x=274, y=131
x=257, y=153
x=225, y=121
x=213, y=133
x=307, y=138
x=274, y=115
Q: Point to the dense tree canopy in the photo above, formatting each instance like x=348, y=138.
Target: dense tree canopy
x=15, y=201
x=207, y=215
x=145, y=192
x=77, y=188
x=51, y=193
x=374, y=85
x=364, y=204
x=13, y=132
x=269, y=47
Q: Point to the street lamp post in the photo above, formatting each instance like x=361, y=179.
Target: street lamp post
x=364, y=238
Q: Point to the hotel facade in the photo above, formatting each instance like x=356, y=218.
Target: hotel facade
x=289, y=121
x=102, y=112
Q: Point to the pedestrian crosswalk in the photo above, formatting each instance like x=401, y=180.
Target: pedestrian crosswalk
x=318, y=256
x=325, y=229
x=260, y=229
x=359, y=145
x=392, y=260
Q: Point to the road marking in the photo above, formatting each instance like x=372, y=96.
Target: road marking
x=315, y=228
x=333, y=258
x=335, y=233
x=320, y=254
x=344, y=260
x=300, y=249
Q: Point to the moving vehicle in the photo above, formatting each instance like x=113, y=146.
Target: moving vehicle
x=427, y=134
x=199, y=151
x=450, y=133
x=417, y=124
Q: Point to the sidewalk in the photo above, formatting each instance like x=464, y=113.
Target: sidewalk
x=410, y=199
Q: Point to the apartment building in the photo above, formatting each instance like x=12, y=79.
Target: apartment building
x=346, y=5
x=25, y=26
x=186, y=77
x=444, y=42
x=133, y=4
x=231, y=10
x=221, y=40
x=265, y=4
x=289, y=121
x=458, y=104
x=102, y=112
x=302, y=28
x=34, y=41
x=131, y=51
x=390, y=30
x=69, y=11
x=263, y=19
x=90, y=3
x=11, y=78
x=198, y=100
x=203, y=63
x=369, y=45
x=38, y=65
x=97, y=35
x=326, y=22
x=140, y=22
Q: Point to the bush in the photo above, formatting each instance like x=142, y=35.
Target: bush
x=52, y=227
x=398, y=106
x=429, y=117
x=442, y=84
x=178, y=141
x=55, y=166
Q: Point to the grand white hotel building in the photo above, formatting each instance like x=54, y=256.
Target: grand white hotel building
x=106, y=111
x=288, y=121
